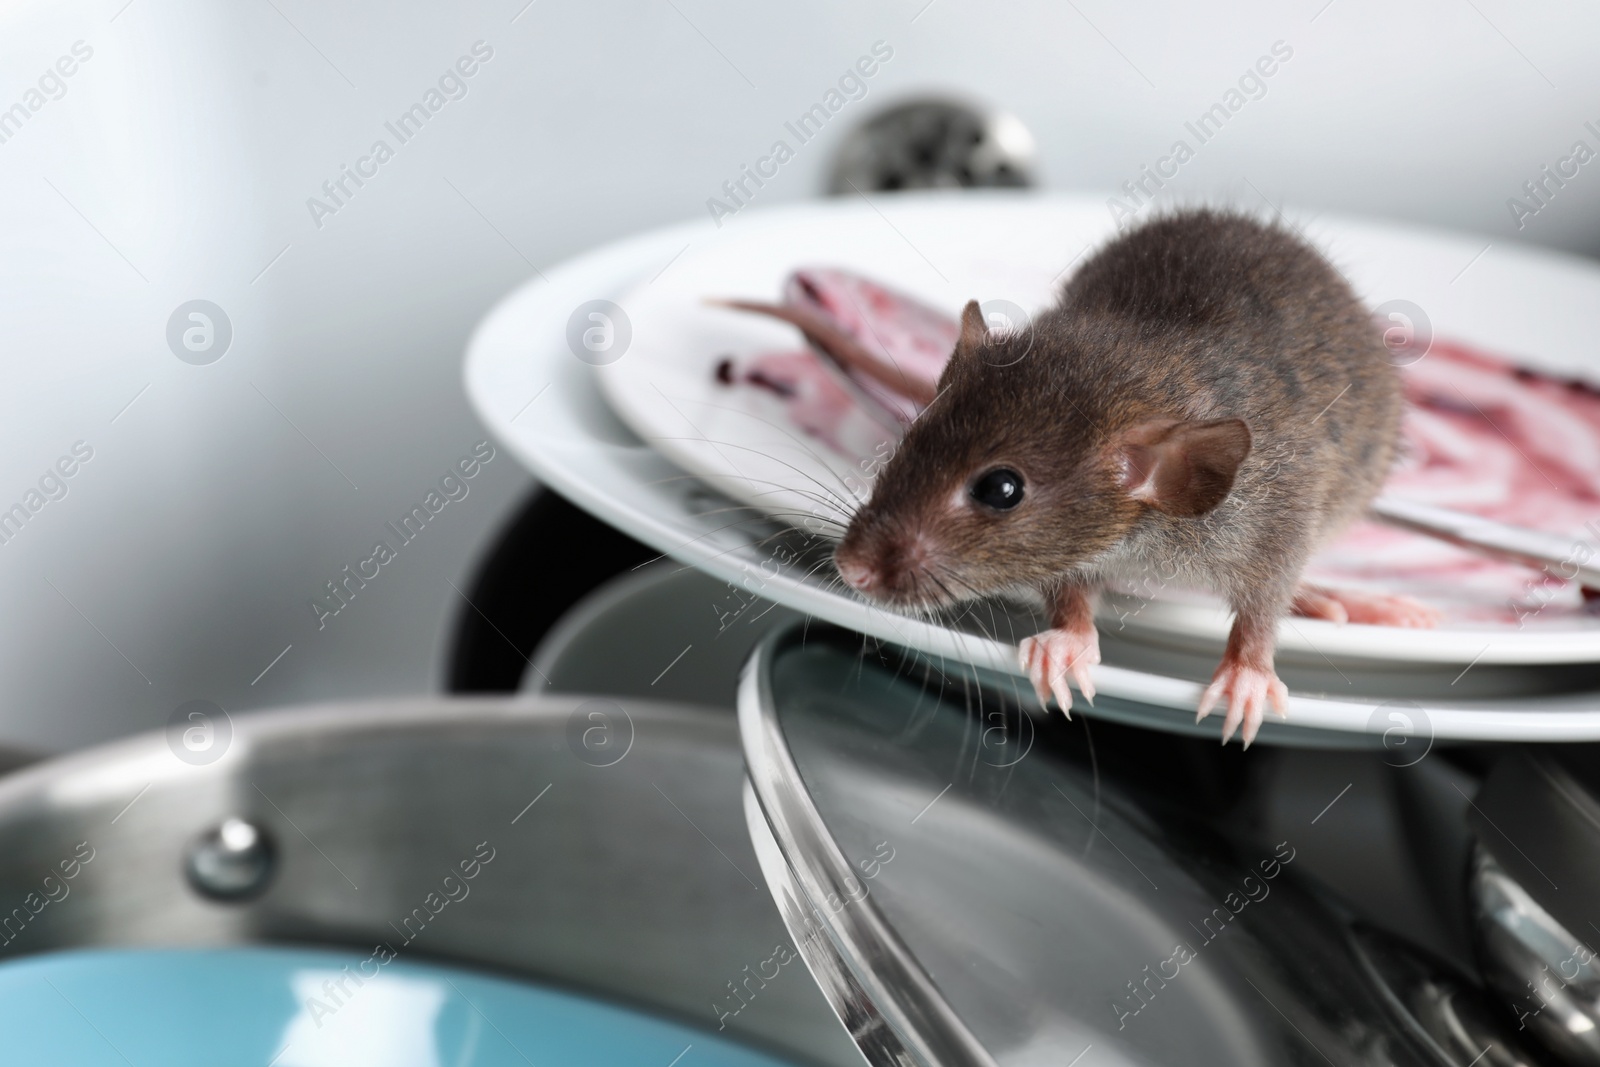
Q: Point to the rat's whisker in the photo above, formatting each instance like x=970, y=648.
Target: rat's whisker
x=994, y=623
x=958, y=580
x=861, y=658
x=900, y=664
x=847, y=506
x=784, y=487
x=759, y=543
x=817, y=567
x=758, y=514
x=1094, y=769
x=807, y=448
x=702, y=439
x=736, y=548
x=977, y=622
x=713, y=532
x=763, y=514
x=950, y=597
x=970, y=613
x=780, y=487
x=992, y=632
x=674, y=478
x=977, y=749
x=764, y=611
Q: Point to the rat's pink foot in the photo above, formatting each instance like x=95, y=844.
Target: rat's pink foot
x=1374, y=609
x=1249, y=690
x=1054, y=654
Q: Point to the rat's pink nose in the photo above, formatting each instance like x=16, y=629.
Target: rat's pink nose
x=857, y=575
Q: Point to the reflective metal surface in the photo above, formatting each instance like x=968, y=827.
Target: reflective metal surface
x=628, y=878
x=234, y=861
x=1548, y=975
x=866, y=1025
x=810, y=876
x=687, y=635
x=935, y=144
x=998, y=902
x=1442, y=1010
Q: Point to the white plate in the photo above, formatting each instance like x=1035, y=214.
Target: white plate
x=542, y=403
x=742, y=440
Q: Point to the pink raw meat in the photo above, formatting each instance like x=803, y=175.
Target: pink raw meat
x=1485, y=436
x=884, y=344
x=814, y=400
x=907, y=335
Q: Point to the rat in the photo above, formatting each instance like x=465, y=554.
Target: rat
x=1208, y=402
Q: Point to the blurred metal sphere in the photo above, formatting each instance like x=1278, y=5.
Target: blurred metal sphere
x=233, y=861
x=935, y=144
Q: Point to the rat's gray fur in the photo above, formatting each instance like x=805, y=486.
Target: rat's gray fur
x=1199, y=315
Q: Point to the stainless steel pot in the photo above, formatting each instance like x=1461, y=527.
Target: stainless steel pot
x=622, y=865
x=971, y=896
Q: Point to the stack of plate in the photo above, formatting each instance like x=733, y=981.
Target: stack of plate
x=601, y=377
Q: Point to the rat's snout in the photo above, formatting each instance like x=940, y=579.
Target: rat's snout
x=857, y=574
x=892, y=572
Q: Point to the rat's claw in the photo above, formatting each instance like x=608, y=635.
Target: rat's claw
x=1278, y=697
x=1080, y=671
x=1250, y=690
x=1063, y=695
x=1050, y=657
x=1027, y=652
x=1238, y=711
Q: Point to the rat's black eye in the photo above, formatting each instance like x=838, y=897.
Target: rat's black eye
x=1000, y=489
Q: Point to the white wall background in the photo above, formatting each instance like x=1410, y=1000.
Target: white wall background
x=178, y=161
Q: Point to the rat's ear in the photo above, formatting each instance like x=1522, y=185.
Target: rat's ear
x=974, y=331
x=1182, y=468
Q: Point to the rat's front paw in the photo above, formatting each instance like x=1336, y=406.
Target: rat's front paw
x=1051, y=656
x=1249, y=690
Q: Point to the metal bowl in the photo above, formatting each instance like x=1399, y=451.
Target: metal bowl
x=621, y=863
x=970, y=894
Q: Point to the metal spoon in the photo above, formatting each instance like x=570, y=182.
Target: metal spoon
x=1556, y=555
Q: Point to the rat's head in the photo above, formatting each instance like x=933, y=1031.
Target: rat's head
x=1018, y=473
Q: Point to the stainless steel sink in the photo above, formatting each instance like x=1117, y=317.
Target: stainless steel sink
x=620, y=861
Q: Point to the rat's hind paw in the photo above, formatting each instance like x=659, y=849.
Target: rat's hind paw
x=1373, y=609
x=1249, y=690
x=1052, y=655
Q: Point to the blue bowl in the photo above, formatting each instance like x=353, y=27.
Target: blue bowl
x=294, y=1007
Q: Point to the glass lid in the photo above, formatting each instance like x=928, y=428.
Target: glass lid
x=968, y=887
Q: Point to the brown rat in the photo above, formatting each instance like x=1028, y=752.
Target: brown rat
x=1208, y=402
